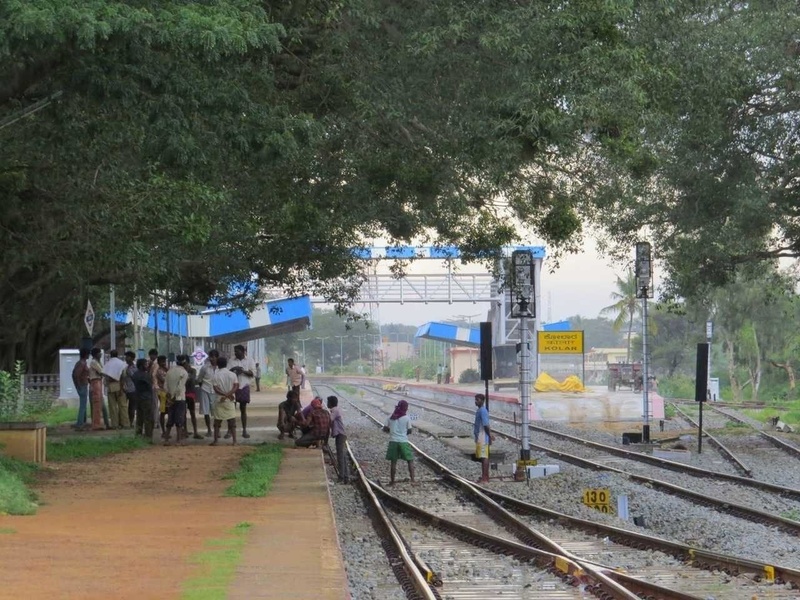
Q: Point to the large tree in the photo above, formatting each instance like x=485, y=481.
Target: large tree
x=204, y=150
x=755, y=318
x=712, y=170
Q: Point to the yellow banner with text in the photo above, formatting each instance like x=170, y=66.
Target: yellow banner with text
x=560, y=342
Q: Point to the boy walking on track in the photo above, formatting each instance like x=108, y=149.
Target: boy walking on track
x=483, y=436
x=398, y=426
x=337, y=433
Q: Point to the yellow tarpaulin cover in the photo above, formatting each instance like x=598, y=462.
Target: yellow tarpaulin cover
x=394, y=387
x=545, y=383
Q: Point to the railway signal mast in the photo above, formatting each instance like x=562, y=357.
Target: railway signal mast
x=644, y=290
x=523, y=308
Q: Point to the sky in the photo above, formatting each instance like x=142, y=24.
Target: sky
x=582, y=285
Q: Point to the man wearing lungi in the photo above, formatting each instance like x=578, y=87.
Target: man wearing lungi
x=245, y=369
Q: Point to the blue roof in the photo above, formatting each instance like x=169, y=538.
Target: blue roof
x=557, y=326
x=274, y=317
x=445, y=332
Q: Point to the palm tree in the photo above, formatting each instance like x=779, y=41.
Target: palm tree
x=626, y=308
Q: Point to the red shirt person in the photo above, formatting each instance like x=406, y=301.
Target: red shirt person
x=318, y=423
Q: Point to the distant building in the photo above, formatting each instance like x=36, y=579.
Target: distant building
x=607, y=355
x=597, y=360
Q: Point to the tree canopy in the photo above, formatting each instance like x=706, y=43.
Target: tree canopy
x=206, y=149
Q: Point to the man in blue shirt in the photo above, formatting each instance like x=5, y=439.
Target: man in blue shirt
x=483, y=436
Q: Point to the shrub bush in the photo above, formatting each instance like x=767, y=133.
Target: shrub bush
x=18, y=403
x=678, y=386
x=469, y=376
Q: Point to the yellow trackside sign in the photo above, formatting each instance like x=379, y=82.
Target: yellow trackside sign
x=560, y=342
x=599, y=499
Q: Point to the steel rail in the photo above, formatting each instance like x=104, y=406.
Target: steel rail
x=602, y=584
x=774, y=440
x=732, y=565
x=700, y=558
x=405, y=566
x=600, y=580
x=788, y=492
x=745, y=512
x=724, y=450
x=597, y=579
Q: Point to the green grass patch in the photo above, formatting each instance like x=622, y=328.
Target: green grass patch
x=256, y=471
x=71, y=448
x=762, y=415
x=57, y=415
x=347, y=388
x=792, y=514
x=7, y=530
x=15, y=496
x=217, y=564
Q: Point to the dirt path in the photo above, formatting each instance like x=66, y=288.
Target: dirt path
x=123, y=526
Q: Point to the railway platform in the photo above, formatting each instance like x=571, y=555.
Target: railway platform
x=292, y=550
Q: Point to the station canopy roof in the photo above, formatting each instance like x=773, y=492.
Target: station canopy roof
x=274, y=317
x=465, y=336
x=453, y=334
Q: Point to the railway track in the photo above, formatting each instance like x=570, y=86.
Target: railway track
x=728, y=454
x=773, y=439
x=722, y=503
x=766, y=449
x=589, y=545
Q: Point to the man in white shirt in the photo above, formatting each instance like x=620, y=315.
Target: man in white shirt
x=245, y=369
x=225, y=386
x=294, y=376
x=117, y=400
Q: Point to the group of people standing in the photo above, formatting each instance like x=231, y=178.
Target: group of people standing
x=147, y=390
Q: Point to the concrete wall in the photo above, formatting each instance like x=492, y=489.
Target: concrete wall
x=24, y=441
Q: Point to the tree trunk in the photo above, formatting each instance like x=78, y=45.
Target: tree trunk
x=789, y=369
x=735, y=388
x=756, y=376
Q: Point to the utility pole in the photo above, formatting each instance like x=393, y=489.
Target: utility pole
x=523, y=308
x=155, y=311
x=322, y=339
x=709, y=337
x=644, y=285
x=359, y=346
x=303, y=341
x=341, y=350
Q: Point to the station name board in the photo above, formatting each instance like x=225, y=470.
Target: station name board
x=560, y=342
